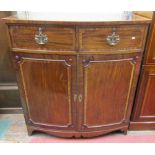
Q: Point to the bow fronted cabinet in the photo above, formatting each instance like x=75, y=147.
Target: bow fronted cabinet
x=77, y=78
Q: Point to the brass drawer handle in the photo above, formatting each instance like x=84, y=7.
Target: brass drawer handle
x=113, y=39
x=41, y=38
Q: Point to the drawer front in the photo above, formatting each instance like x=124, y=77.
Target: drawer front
x=42, y=38
x=113, y=38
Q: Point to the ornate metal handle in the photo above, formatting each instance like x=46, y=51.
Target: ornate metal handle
x=41, y=38
x=113, y=39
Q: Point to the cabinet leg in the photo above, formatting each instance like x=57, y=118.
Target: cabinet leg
x=125, y=131
x=29, y=131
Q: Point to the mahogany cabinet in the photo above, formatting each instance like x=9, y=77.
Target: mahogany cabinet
x=77, y=79
x=143, y=115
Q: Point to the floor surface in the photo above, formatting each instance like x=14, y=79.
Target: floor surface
x=16, y=132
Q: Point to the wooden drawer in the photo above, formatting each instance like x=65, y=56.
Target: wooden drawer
x=130, y=37
x=59, y=38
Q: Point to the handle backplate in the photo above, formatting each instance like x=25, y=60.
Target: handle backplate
x=113, y=39
x=41, y=38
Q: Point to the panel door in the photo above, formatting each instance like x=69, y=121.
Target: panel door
x=47, y=83
x=107, y=87
x=144, y=109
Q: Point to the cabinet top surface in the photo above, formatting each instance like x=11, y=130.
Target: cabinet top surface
x=76, y=18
